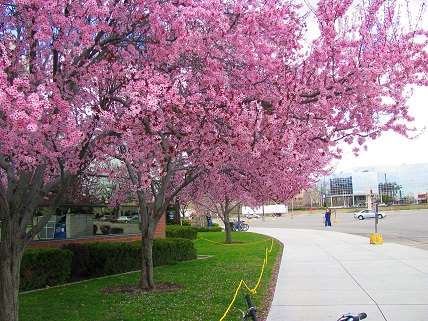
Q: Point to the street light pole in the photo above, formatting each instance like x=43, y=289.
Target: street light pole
x=376, y=215
x=376, y=238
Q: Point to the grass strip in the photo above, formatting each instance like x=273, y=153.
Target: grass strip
x=206, y=288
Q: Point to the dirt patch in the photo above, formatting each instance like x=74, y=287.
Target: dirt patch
x=134, y=289
x=263, y=310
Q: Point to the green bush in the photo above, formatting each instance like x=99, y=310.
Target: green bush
x=208, y=229
x=186, y=223
x=97, y=259
x=172, y=250
x=45, y=267
x=186, y=232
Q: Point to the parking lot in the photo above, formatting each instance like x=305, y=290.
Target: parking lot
x=408, y=227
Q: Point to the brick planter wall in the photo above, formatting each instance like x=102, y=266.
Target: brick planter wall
x=159, y=233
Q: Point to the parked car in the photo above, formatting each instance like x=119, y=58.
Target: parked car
x=106, y=218
x=123, y=219
x=361, y=215
x=251, y=215
x=134, y=218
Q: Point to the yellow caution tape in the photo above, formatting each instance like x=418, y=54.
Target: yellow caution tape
x=242, y=283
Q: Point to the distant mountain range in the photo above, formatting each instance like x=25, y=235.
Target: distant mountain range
x=412, y=177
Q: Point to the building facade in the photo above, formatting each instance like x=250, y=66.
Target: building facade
x=354, y=189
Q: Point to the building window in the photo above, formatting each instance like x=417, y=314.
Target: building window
x=341, y=186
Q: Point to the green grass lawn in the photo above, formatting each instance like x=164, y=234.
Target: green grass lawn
x=208, y=286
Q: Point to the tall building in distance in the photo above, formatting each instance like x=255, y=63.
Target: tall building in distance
x=389, y=192
x=353, y=189
x=341, y=191
x=404, y=184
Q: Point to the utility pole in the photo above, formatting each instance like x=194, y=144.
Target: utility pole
x=376, y=238
x=376, y=215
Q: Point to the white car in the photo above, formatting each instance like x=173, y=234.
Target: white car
x=251, y=215
x=361, y=215
x=123, y=219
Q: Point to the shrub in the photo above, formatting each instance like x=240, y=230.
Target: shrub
x=45, y=267
x=208, y=229
x=172, y=250
x=97, y=259
x=186, y=232
x=186, y=223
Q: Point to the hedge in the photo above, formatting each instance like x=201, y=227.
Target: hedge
x=186, y=223
x=172, y=250
x=45, y=267
x=186, y=232
x=97, y=259
x=208, y=229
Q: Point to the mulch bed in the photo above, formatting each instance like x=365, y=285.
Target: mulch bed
x=134, y=289
x=263, y=310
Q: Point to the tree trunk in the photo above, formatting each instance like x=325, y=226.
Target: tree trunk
x=10, y=263
x=148, y=226
x=146, y=279
x=227, y=228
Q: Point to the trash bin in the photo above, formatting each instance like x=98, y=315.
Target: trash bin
x=60, y=231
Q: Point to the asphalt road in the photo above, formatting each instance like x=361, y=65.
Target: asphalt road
x=408, y=227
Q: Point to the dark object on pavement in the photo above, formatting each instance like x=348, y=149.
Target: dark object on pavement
x=350, y=317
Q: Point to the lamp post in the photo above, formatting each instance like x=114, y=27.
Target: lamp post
x=376, y=206
x=376, y=238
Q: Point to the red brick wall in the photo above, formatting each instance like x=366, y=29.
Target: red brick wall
x=160, y=229
x=159, y=233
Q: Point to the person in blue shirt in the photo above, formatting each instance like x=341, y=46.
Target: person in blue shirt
x=327, y=217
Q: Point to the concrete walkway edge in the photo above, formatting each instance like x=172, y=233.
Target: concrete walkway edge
x=325, y=274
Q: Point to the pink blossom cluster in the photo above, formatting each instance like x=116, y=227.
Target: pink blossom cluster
x=194, y=97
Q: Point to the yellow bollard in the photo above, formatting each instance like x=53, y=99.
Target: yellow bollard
x=376, y=238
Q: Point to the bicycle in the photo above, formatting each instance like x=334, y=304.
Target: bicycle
x=252, y=313
x=350, y=317
x=240, y=226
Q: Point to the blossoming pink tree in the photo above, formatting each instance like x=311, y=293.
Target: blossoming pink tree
x=174, y=89
x=185, y=98
x=59, y=80
x=265, y=172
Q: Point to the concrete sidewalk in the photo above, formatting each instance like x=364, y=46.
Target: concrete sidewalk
x=325, y=274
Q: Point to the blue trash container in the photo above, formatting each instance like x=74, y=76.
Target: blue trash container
x=60, y=231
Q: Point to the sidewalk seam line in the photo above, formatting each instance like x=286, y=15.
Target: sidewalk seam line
x=355, y=280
